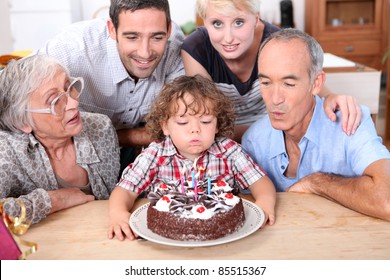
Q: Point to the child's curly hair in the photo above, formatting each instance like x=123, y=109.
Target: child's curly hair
x=204, y=93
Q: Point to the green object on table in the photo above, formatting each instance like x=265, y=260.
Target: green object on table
x=188, y=27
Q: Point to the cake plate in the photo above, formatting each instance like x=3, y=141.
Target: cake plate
x=254, y=218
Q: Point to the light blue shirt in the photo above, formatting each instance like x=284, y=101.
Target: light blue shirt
x=324, y=147
x=88, y=51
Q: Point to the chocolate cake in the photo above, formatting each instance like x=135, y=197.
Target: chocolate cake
x=183, y=214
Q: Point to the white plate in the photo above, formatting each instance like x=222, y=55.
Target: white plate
x=254, y=218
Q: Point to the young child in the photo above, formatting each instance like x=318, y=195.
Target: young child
x=190, y=120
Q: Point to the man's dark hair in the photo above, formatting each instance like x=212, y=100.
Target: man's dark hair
x=117, y=6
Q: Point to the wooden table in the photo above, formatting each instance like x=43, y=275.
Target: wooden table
x=307, y=227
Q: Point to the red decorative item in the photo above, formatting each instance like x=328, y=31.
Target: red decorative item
x=166, y=198
x=221, y=184
x=200, y=209
x=10, y=229
x=9, y=249
x=229, y=195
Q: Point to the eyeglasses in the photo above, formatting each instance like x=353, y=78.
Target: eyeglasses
x=58, y=105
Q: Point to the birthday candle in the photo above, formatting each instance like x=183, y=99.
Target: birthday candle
x=200, y=173
x=194, y=184
x=183, y=175
x=209, y=182
x=193, y=179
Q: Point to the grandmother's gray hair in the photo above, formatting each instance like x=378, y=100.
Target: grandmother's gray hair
x=17, y=82
x=314, y=48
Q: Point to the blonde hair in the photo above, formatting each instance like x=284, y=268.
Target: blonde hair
x=207, y=99
x=228, y=6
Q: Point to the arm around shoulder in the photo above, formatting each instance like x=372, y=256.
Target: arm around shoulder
x=351, y=113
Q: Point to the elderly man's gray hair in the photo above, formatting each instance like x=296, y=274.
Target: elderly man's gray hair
x=315, y=51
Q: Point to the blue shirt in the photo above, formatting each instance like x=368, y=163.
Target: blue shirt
x=324, y=148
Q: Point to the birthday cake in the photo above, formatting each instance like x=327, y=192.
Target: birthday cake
x=210, y=211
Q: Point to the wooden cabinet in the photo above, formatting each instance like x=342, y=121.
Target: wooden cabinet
x=387, y=108
x=353, y=29
x=387, y=111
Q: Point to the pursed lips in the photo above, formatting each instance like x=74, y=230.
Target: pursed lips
x=277, y=114
x=195, y=142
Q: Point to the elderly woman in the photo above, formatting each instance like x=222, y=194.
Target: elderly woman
x=52, y=156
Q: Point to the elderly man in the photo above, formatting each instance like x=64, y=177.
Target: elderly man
x=299, y=147
x=125, y=60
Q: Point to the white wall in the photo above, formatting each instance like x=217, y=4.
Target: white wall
x=181, y=12
x=90, y=7
x=5, y=29
x=27, y=24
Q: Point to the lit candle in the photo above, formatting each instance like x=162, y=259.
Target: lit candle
x=193, y=179
x=209, y=182
x=183, y=176
x=200, y=173
x=194, y=184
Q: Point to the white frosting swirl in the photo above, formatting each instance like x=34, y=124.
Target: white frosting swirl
x=229, y=198
x=225, y=187
x=201, y=212
x=164, y=203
